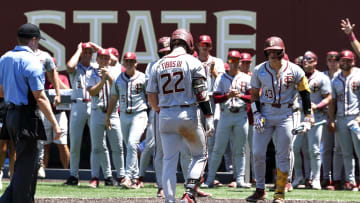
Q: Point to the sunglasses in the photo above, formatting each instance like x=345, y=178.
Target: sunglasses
x=308, y=59
x=233, y=60
x=202, y=44
x=331, y=56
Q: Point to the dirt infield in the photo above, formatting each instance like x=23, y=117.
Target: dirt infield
x=157, y=200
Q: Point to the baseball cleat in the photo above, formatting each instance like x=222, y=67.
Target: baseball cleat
x=188, y=198
x=232, y=184
x=109, y=181
x=94, y=183
x=351, y=186
x=41, y=171
x=242, y=184
x=205, y=185
x=288, y=187
x=72, y=181
x=160, y=193
x=298, y=181
x=316, y=185
x=126, y=183
x=259, y=194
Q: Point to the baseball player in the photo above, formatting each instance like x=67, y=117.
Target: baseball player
x=345, y=102
x=231, y=90
x=213, y=68
x=330, y=141
x=279, y=81
x=79, y=68
x=153, y=141
x=99, y=86
x=129, y=89
x=320, y=97
x=52, y=75
x=62, y=119
x=176, y=86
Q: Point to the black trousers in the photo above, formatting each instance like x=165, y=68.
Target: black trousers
x=23, y=183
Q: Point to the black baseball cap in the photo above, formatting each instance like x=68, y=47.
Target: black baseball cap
x=29, y=30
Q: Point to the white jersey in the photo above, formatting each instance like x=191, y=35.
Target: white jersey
x=102, y=99
x=78, y=80
x=148, y=70
x=346, y=91
x=226, y=82
x=335, y=74
x=46, y=60
x=131, y=92
x=319, y=85
x=172, y=78
x=219, y=67
x=275, y=90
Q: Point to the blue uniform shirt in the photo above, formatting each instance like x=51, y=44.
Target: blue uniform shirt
x=19, y=69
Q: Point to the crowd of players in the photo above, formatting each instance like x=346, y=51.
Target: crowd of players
x=112, y=100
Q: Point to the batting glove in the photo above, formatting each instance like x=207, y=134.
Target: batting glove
x=259, y=122
x=306, y=125
x=209, y=125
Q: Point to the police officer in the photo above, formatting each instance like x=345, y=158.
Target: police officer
x=22, y=86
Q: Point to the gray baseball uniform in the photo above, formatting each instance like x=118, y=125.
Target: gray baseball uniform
x=133, y=116
x=99, y=151
x=179, y=116
x=346, y=92
x=277, y=95
x=220, y=69
x=233, y=125
x=330, y=145
x=80, y=113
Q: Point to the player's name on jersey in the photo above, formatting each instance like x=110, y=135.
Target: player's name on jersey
x=170, y=64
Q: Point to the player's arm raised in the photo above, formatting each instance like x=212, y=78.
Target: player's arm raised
x=74, y=60
x=95, y=89
x=348, y=28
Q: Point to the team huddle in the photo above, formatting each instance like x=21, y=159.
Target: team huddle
x=200, y=108
x=195, y=106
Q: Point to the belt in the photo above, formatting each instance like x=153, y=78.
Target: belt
x=278, y=105
x=188, y=105
x=13, y=106
x=131, y=112
x=83, y=100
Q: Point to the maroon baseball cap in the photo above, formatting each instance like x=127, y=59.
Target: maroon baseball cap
x=347, y=54
x=130, y=55
x=332, y=55
x=104, y=52
x=205, y=39
x=113, y=51
x=310, y=55
x=234, y=54
x=245, y=56
x=86, y=45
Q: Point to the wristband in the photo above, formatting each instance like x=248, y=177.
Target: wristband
x=352, y=37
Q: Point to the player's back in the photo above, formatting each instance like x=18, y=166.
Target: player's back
x=174, y=76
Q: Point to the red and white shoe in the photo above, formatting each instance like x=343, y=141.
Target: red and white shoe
x=232, y=184
x=94, y=183
x=188, y=198
x=201, y=193
x=160, y=193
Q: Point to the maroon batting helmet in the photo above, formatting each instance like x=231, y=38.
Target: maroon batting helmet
x=274, y=43
x=164, y=44
x=184, y=35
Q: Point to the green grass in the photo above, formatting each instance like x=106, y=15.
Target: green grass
x=56, y=189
